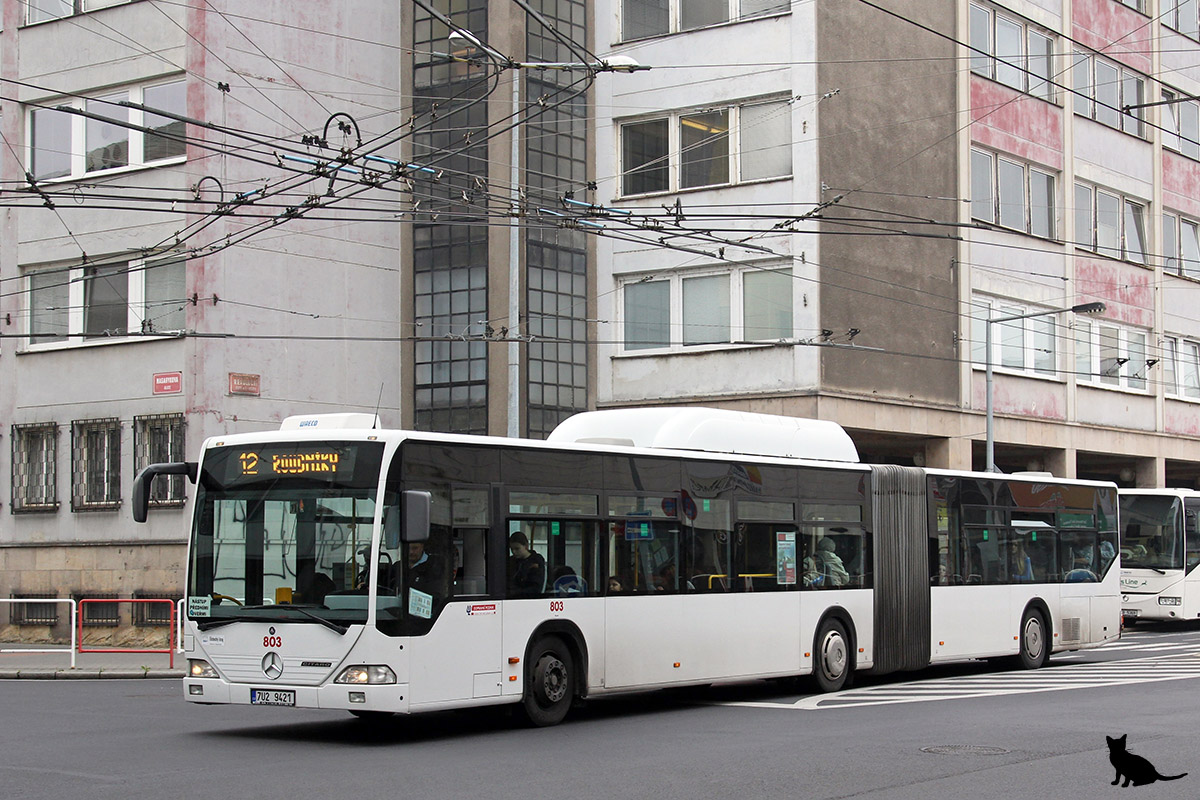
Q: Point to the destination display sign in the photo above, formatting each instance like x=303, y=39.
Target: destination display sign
x=314, y=461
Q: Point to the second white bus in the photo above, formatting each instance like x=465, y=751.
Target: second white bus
x=1160, y=549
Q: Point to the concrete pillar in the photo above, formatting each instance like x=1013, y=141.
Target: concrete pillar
x=952, y=453
x=1061, y=463
x=1151, y=473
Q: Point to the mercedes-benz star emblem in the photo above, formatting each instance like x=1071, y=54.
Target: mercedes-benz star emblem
x=272, y=665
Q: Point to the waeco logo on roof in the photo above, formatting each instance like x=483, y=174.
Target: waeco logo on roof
x=308, y=423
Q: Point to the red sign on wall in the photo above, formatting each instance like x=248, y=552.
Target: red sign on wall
x=243, y=383
x=168, y=382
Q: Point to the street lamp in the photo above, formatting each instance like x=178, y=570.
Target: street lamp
x=1082, y=308
x=464, y=41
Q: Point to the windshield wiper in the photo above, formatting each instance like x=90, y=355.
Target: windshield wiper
x=216, y=623
x=333, y=626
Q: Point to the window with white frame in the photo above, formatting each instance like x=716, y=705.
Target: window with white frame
x=714, y=147
x=1011, y=51
x=1024, y=345
x=1012, y=194
x=1181, y=245
x=1103, y=88
x=95, y=464
x=1182, y=16
x=1180, y=123
x=66, y=145
x=111, y=299
x=1111, y=355
x=157, y=439
x=1181, y=367
x=1110, y=224
x=45, y=10
x=642, y=18
x=34, y=467
x=702, y=308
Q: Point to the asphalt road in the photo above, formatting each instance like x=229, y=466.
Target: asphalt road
x=960, y=731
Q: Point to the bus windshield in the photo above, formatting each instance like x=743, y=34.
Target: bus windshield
x=283, y=533
x=1151, y=538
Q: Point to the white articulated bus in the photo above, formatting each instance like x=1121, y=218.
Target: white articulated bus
x=1160, y=548
x=336, y=565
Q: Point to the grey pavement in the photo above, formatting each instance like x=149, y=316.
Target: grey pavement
x=17, y=661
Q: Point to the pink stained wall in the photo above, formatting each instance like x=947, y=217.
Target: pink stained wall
x=1012, y=122
x=1020, y=396
x=1181, y=418
x=1119, y=32
x=1127, y=289
x=1181, y=176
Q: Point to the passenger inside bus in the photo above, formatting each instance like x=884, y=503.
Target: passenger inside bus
x=829, y=563
x=527, y=568
x=1019, y=563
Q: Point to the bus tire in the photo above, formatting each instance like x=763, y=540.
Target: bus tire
x=832, y=662
x=549, y=682
x=1034, y=640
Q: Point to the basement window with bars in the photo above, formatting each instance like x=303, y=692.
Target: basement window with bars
x=152, y=614
x=35, y=467
x=32, y=613
x=158, y=438
x=99, y=615
x=95, y=464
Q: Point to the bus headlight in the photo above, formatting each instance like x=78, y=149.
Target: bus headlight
x=1170, y=601
x=366, y=675
x=198, y=668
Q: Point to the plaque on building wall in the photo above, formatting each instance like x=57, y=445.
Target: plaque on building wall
x=168, y=382
x=243, y=383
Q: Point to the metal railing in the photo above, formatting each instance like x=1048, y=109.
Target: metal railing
x=169, y=649
x=73, y=616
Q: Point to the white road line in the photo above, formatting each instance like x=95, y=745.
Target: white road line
x=1052, y=679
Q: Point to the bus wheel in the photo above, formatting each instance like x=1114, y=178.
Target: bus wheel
x=831, y=657
x=548, y=682
x=1035, y=646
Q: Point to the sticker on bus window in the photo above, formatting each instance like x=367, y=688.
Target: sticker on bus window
x=420, y=604
x=785, y=558
x=200, y=606
x=638, y=531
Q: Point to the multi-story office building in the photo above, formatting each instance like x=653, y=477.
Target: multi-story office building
x=215, y=216
x=826, y=207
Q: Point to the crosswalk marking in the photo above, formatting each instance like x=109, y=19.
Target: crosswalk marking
x=1049, y=679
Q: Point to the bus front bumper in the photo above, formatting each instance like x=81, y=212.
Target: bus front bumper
x=1149, y=607
x=387, y=697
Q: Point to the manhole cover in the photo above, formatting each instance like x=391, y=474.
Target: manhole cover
x=964, y=750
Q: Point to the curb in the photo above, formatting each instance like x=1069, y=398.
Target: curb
x=43, y=674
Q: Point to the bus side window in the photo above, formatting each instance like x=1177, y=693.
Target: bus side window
x=765, y=555
x=1077, y=556
x=572, y=559
x=1040, y=546
x=1191, y=517
x=644, y=556
x=470, y=561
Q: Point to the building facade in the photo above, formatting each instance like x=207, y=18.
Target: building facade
x=216, y=217
x=912, y=171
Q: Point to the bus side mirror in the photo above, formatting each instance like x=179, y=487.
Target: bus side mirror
x=141, y=484
x=417, y=507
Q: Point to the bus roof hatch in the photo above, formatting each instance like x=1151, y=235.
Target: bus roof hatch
x=714, y=430
x=330, y=422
